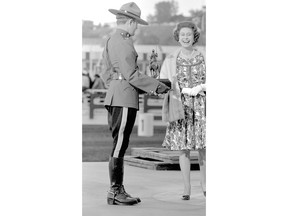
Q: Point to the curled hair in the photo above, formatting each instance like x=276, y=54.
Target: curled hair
x=186, y=24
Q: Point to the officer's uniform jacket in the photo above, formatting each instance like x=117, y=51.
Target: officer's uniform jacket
x=124, y=79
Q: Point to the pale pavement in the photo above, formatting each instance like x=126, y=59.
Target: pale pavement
x=160, y=192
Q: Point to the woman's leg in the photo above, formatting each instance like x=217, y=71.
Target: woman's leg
x=184, y=160
x=202, y=164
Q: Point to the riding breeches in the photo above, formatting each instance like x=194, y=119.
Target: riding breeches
x=121, y=121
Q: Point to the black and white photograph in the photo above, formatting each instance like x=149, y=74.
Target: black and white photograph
x=133, y=141
x=144, y=109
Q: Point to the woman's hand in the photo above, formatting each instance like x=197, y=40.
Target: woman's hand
x=192, y=91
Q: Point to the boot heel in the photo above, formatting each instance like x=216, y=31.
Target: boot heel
x=110, y=201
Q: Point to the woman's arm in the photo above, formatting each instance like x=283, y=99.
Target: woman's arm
x=164, y=70
x=195, y=90
x=203, y=86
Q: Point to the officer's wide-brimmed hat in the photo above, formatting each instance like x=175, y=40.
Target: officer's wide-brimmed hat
x=131, y=10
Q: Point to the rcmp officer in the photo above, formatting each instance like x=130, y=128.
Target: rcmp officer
x=125, y=82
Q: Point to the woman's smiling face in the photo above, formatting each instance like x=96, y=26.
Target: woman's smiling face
x=186, y=37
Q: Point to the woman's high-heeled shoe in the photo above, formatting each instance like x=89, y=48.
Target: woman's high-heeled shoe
x=185, y=197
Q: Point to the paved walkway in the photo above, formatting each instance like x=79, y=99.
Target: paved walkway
x=160, y=192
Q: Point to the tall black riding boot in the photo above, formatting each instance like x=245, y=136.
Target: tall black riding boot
x=122, y=189
x=116, y=196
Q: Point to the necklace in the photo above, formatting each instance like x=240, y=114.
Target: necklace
x=186, y=56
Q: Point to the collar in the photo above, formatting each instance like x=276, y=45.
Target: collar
x=123, y=33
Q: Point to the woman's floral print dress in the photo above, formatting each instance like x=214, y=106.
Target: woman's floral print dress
x=189, y=133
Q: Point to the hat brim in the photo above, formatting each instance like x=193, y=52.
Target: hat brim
x=139, y=20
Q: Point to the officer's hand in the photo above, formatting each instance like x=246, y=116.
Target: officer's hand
x=162, y=88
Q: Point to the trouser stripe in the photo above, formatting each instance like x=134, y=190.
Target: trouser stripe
x=121, y=132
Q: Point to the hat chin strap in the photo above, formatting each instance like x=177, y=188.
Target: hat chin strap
x=124, y=27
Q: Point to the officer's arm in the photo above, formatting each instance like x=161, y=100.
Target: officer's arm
x=129, y=69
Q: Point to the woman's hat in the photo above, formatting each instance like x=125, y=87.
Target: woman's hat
x=131, y=10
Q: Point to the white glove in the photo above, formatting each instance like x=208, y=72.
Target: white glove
x=192, y=91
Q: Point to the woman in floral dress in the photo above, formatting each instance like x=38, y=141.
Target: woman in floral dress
x=184, y=107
